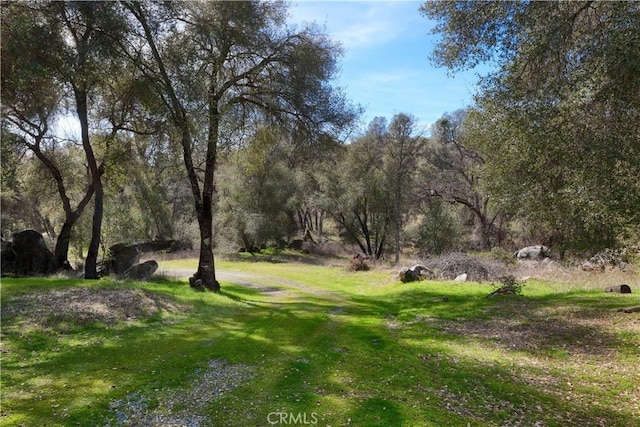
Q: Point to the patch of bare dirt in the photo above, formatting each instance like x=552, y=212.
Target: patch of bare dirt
x=184, y=406
x=87, y=305
x=522, y=325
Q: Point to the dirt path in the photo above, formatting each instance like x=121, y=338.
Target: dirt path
x=267, y=285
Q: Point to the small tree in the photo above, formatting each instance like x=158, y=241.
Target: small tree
x=453, y=173
x=32, y=95
x=402, y=150
x=358, y=192
x=256, y=187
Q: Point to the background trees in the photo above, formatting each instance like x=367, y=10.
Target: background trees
x=184, y=105
x=374, y=190
x=557, y=122
x=453, y=172
x=256, y=190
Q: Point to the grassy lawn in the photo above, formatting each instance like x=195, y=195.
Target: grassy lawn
x=302, y=344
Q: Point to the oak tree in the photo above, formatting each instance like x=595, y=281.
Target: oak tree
x=218, y=65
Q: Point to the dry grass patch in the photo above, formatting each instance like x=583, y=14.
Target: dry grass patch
x=84, y=305
x=520, y=324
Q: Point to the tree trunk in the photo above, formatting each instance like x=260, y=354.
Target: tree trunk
x=61, y=251
x=205, y=277
x=91, y=263
x=397, y=220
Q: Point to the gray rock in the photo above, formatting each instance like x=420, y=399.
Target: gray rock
x=27, y=255
x=423, y=271
x=408, y=275
x=538, y=252
x=121, y=258
x=620, y=289
x=415, y=273
x=461, y=278
x=141, y=271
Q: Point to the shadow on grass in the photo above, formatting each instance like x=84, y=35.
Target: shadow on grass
x=277, y=257
x=345, y=365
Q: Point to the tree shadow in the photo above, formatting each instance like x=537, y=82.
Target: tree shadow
x=348, y=366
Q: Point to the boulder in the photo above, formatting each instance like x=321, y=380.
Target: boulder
x=620, y=289
x=408, y=275
x=27, y=255
x=415, y=273
x=461, y=278
x=423, y=271
x=538, y=252
x=296, y=244
x=140, y=271
x=121, y=258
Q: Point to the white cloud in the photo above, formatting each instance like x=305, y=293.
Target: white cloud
x=357, y=24
x=385, y=67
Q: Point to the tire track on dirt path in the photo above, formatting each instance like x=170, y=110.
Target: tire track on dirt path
x=268, y=286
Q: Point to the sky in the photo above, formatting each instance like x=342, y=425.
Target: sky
x=385, y=67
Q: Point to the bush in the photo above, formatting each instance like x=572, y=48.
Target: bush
x=508, y=286
x=359, y=263
x=499, y=254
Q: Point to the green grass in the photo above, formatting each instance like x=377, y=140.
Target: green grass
x=334, y=348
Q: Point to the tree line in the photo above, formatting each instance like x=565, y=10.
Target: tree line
x=218, y=121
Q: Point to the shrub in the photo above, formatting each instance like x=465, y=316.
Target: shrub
x=499, y=254
x=509, y=285
x=359, y=263
x=453, y=264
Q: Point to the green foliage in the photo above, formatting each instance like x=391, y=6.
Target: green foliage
x=256, y=187
x=509, y=285
x=437, y=231
x=499, y=254
x=557, y=122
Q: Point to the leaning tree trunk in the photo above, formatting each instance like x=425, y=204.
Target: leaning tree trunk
x=91, y=263
x=61, y=251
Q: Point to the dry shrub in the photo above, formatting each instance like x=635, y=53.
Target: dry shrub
x=573, y=278
x=453, y=264
x=359, y=263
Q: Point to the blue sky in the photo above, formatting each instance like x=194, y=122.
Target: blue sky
x=385, y=67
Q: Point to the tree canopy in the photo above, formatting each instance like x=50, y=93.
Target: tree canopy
x=559, y=119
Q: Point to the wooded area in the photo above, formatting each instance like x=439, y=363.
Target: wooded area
x=219, y=123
